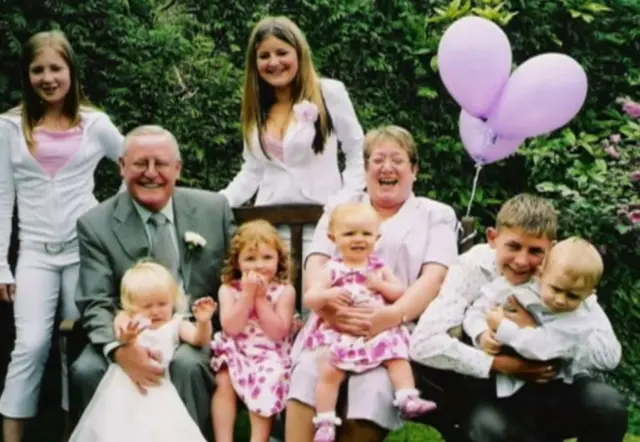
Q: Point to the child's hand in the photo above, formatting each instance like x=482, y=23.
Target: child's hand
x=495, y=317
x=253, y=284
x=133, y=328
x=374, y=281
x=204, y=308
x=338, y=297
x=489, y=343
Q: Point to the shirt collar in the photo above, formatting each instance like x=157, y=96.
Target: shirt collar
x=145, y=213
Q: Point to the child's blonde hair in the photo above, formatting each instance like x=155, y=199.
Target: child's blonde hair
x=531, y=213
x=578, y=260
x=147, y=277
x=345, y=210
x=250, y=235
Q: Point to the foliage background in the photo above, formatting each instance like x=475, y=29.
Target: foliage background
x=179, y=63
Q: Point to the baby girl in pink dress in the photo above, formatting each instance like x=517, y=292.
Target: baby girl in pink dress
x=357, y=277
x=251, y=356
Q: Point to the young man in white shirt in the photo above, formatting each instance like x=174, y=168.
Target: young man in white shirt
x=455, y=374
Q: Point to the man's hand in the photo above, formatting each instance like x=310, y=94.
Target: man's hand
x=518, y=314
x=141, y=365
x=7, y=292
x=535, y=371
x=489, y=343
x=204, y=308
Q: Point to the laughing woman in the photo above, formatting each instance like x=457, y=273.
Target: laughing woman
x=50, y=146
x=292, y=122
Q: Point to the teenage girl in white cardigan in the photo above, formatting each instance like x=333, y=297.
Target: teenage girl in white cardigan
x=49, y=149
x=292, y=122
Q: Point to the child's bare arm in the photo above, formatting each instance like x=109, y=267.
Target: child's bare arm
x=321, y=294
x=276, y=319
x=234, y=313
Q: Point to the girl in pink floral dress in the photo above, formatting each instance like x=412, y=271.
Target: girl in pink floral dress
x=251, y=356
x=357, y=277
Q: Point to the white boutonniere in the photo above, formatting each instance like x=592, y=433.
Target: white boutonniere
x=306, y=111
x=194, y=240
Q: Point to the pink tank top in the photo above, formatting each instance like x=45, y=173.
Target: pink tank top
x=54, y=149
x=273, y=146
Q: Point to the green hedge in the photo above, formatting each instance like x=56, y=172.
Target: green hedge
x=179, y=63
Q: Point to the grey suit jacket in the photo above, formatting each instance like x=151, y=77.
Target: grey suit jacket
x=112, y=239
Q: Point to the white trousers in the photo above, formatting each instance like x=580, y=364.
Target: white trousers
x=46, y=278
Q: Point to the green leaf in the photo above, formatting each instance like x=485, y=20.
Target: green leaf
x=427, y=92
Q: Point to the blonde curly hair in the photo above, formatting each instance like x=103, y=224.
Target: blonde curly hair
x=252, y=234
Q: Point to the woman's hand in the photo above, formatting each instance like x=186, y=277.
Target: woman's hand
x=355, y=321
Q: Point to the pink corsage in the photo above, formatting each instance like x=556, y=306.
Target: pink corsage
x=306, y=111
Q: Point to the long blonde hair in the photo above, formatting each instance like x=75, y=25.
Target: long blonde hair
x=32, y=108
x=258, y=95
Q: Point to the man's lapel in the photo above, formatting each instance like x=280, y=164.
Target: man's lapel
x=128, y=228
x=186, y=220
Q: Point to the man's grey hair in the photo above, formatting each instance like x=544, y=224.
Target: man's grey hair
x=150, y=129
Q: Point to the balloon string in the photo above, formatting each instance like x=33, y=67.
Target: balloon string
x=473, y=189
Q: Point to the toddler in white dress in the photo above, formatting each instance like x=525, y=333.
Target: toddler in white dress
x=119, y=411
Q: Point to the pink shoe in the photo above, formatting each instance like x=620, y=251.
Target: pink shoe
x=325, y=432
x=416, y=406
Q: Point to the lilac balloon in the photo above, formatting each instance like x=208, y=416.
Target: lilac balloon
x=543, y=94
x=474, y=59
x=482, y=144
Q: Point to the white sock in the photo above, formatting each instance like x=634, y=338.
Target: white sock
x=404, y=394
x=327, y=416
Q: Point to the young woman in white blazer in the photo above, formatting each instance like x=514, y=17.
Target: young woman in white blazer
x=292, y=122
x=50, y=146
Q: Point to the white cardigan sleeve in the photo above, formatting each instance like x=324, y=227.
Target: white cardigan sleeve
x=246, y=182
x=349, y=133
x=7, y=201
x=110, y=138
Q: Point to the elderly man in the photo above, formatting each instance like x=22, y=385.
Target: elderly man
x=128, y=227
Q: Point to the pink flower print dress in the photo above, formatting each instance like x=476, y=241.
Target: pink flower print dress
x=351, y=353
x=259, y=367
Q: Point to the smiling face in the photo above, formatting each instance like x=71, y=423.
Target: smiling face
x=50, y=77
x=518, y=254
x=261, y=258
x=277, y=62
x=355, y=228
x=151, y=167
x=390, y=174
